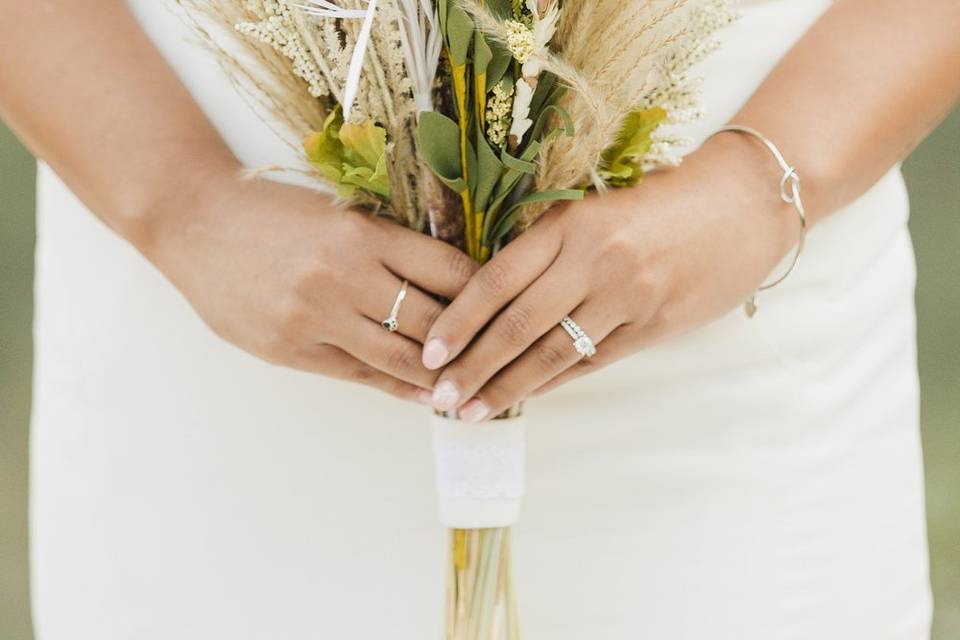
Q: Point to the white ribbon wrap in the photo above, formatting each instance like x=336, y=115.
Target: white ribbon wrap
x=480, y=472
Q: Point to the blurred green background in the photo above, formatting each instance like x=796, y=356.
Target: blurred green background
x=933, y=175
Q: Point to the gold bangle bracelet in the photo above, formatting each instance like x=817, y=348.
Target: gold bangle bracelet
x=789, y=193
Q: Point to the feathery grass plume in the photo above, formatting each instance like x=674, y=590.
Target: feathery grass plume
x=259, y=69
x=618, y=58
x=632, y=60
x=293, y=60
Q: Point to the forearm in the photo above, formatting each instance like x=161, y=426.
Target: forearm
x=87, y=92
x=857, y=93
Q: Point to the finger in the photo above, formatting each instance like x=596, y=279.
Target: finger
x=333, y=362
x=534, y=313
x=391, y=353
x=496, y=284
x=547, y=358
x=417, y=313
x=431, y=264
x=619, y=342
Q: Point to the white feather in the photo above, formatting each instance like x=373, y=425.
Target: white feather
x=420, y=40
x=327, y=9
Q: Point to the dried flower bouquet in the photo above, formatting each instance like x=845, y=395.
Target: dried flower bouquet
x=468, y=119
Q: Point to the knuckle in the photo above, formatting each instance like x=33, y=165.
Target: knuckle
x=363, y=374
x=493, y=278
x=461, y=267
x=621, y=255
x=551, y=358
x=402, y=358
x=398, y=389
x=293, y=314
x=429, y=318
x=277, y=349
x=496, y=395
x=516, y=326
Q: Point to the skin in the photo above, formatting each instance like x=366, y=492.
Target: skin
x=263, y=263
x=691, y=244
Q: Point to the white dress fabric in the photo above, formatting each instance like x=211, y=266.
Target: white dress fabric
x=755, y=480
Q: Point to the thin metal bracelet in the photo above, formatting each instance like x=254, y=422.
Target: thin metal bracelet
x=789, y=193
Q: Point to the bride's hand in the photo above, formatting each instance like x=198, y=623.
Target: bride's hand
x=283, y=274
x=629, y=267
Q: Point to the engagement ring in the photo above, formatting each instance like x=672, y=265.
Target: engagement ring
x=581, y=341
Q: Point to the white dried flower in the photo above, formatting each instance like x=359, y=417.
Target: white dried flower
x=544, y=28
x=521, y=110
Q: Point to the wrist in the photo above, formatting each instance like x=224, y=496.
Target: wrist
x=748, y=187
x=174, y=201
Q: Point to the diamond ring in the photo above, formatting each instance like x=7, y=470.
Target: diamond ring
x=582, y=343
x=391, y=324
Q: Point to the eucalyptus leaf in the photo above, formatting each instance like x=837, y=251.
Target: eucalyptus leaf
x=497, y=69
x=460, y=30
x=482, y=54
x=488, y=172
x=440, y=147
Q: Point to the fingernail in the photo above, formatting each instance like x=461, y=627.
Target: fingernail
x=445, y=396
x=425, y=397
x=474, y=411
x=435, y=353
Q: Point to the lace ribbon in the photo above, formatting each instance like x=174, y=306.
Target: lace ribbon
x=484, y=462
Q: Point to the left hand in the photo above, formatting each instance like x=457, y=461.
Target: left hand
x=630, y=267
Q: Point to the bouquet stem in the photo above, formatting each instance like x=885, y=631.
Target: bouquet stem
x=481, y=599
x=480, y=476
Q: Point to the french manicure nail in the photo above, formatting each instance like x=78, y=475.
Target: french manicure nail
x=474, y=411
x=435, y=353
x=445, y=396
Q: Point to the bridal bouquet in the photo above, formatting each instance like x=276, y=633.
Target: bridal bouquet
x=468, y=119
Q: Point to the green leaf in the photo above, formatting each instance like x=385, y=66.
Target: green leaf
x=518, y=165
x=503, y=9
x=543, y=93
x=460, y=30
x=482, y=54
x=567, y=129
x=497, y=69
x=350, y=156
x=489, y=170
x=622, y=164
x=440, y=147
x=509, y=220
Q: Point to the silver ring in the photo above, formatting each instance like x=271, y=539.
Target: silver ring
x=391, y=324
x=582, y=343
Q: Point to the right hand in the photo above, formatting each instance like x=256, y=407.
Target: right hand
x=286, y=275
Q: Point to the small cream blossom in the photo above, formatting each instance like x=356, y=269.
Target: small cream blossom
x=520, y=41
x=499, y=109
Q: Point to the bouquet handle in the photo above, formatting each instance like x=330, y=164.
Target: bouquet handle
x=480, y=471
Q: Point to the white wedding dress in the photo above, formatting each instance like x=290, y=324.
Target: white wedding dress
x=755, y=480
